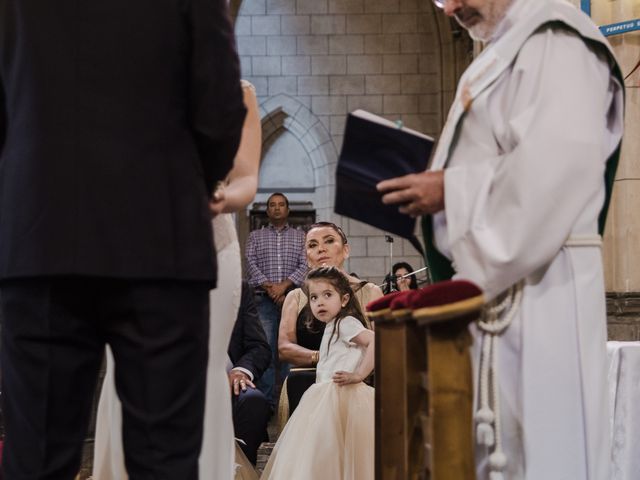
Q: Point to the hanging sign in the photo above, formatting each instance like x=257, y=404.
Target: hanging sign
x=620, y=27
x=612, y=28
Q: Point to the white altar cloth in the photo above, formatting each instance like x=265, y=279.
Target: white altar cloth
x=624, y=397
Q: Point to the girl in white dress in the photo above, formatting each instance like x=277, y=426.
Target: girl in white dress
x=331, y=433
x=217, y=455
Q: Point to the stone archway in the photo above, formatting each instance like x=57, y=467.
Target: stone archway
x=299, y=156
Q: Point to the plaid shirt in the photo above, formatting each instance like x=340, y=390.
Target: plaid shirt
x=276, y=255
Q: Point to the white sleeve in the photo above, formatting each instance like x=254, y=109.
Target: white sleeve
x=350, y=327
x=511, y=215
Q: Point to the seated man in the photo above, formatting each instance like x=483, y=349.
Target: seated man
x=250, y=356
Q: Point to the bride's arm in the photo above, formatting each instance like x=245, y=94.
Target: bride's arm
x=243, y=178
x=288, y=348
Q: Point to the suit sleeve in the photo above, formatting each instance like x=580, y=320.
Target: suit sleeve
x=3, y=118
x=256, y=353
x=217, y=110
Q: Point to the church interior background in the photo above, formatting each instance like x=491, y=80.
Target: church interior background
x=313, y=61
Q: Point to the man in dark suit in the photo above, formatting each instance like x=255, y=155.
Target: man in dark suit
x=117, y=119
x=250, y=356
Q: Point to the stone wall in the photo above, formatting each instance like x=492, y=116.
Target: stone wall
x=312, y=62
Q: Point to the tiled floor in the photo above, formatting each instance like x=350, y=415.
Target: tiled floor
x=263, y=452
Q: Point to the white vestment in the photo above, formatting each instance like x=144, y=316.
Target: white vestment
x=525, y=148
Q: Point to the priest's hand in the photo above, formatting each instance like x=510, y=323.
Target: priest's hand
x=417, y=193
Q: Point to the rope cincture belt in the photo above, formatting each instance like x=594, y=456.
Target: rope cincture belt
x=584, y=240
x=488, y=415
x=495, y=319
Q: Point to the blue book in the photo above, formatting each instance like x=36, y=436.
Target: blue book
x=376, y=149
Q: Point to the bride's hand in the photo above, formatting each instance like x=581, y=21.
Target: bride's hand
x=218, y=201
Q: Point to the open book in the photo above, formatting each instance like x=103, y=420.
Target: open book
x=375, y=149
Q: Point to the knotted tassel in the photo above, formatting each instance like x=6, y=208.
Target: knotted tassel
x=484, y=431
x=495, y=320
x=497, y=462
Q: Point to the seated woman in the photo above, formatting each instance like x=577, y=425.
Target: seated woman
x=398, y=281
x=300, y=334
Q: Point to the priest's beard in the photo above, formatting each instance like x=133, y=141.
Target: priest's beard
x=482, y=21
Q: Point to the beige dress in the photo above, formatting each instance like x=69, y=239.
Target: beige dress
x=331, y=433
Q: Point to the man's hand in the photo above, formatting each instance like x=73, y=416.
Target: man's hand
x=268, y=286
x=238, y=381
x=278, y=290
x=417, y=193
x=345, y=378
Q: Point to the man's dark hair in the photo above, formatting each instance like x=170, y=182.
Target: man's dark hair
x=278, y=194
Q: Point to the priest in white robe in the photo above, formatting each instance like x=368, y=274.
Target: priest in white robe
x=515, y=198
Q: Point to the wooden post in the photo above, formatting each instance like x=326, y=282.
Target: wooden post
x=451, y=400
x=401, y=403
x=423, y=400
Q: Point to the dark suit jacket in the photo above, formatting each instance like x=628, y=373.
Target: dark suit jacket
x=116, y=119
x=248, y=347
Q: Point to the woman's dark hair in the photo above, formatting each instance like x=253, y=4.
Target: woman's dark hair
x=333, y=226
x=413, y=281
x=340, y=282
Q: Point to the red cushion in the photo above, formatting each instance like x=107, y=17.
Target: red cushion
x=444, y=293
x=382, y=302
x=402, y=301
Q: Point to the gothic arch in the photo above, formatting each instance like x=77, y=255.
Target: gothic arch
x=283, y=115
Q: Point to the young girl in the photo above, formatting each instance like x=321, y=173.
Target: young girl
x=331, y=433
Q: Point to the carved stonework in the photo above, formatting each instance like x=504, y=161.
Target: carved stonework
x=623, y=316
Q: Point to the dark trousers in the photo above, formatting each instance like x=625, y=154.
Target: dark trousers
x=251, y=412
x=53, y=340
x=269, y=314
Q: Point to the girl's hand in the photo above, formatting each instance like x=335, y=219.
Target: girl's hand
x=345, y=378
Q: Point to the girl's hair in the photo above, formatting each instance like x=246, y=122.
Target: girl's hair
x=413, y=281
x=337, y=279
x=332, y=226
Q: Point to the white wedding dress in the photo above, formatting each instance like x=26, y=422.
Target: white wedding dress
x=217, y=455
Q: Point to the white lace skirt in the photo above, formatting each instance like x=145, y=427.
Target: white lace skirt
x=218, y=449
x=329, y=436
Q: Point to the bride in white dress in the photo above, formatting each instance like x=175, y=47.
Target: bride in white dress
x=217, y=455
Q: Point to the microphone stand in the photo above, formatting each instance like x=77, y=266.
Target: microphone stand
x=415, y=272
x=389, y=280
